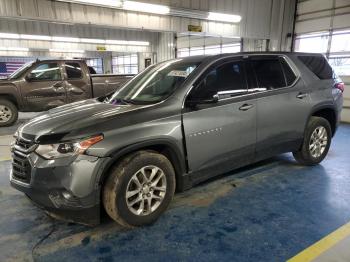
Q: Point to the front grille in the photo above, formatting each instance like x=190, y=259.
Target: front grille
x=21, y=169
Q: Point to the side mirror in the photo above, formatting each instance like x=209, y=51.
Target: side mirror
x=194, y=103
x=30, y=77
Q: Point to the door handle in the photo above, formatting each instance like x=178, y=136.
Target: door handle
x=57, y=85
x=246, y=107
x=301, y=95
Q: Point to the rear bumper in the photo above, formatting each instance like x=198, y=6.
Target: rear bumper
x=65, y=188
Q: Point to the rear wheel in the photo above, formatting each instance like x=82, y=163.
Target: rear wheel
x=139, y=188
x=317, y=140
x=8, y=113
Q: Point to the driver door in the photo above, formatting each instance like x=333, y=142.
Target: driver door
x=220, y=133
x=44, y=87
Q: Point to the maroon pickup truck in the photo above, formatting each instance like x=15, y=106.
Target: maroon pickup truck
x=41, y=85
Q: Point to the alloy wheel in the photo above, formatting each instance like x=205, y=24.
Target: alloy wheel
x=318, y=141
x=146, y=190
x=5, y=114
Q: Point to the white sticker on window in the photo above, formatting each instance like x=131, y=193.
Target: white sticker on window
x=178, y=73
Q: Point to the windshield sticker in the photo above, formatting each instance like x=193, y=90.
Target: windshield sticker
x=178, y=73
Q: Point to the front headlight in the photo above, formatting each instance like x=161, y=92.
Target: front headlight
x=53, y=151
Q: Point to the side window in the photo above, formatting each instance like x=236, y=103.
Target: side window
x=269, y=73
x=73, y=71
x=227, y=80
x=318, y=65
x=46, y=72
x=288, y=72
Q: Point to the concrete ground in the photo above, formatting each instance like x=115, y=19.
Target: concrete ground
x=269, y=211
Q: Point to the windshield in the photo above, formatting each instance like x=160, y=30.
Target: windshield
x=16, y=74
x=154, y=84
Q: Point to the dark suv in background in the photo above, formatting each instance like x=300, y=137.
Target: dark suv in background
x=175, y=124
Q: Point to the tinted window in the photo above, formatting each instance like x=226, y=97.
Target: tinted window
x=269, y=73
x=73, y=71
x=288, y=72
x=48, y=72
x=318, y=65
x=228, y=79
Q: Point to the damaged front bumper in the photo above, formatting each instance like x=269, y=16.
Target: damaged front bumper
x=66, y=188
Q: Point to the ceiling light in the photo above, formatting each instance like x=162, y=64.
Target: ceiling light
x=90, y=40
x=14, y=49
x=66, y=51
x=116, y=42
x=65, y=39
x=147, y=8
x=9, y=36
x=224, y=17
x=138, y=43
x=124, y=42
x=36, y=37
x=108, y=3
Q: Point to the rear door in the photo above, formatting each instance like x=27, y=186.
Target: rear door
x=283, y=104
x=77, y=82
x=220, y=135
x=43, y=87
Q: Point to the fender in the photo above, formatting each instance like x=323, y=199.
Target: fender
x=10, y=91
x=321, y=106
x=172, y=151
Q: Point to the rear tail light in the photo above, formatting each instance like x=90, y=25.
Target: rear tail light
x=340, y=86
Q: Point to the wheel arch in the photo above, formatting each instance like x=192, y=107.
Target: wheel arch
x=162, y=146
x=327, y=112
x=11, y=98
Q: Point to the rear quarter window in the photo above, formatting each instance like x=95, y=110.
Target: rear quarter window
x=318, y=65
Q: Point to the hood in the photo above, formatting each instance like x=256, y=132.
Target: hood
x=73, y=118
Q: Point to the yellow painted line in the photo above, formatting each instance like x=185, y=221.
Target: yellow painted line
x=321, y=246
x=5, y=159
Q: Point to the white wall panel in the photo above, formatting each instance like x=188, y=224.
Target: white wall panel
x=255, y=13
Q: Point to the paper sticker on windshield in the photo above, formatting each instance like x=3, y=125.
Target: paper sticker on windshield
x=178, y=73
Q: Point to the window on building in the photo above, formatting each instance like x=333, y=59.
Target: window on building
x=95, y=63
x=313, y=43
x=209, y=50
x=341, y=65
x=212, y=50
x=196, y=51
x=269, y=73
x=340, y=42
x=183, y=52
x=125, y=64
x=338, y=51
x=231, y=48
x=73, y=71
x=46, y=72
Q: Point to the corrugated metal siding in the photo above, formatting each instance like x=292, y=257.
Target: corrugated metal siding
x=255, y=23
x=315, y=15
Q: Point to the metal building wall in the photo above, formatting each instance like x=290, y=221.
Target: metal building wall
x=255, y=14
x=326, y=16
x=322, y=15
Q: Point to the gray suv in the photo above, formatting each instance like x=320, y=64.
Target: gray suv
x=174, y=125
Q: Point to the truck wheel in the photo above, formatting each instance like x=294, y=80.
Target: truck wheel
x=317, y=140
x=8, y=113
x=139, y=188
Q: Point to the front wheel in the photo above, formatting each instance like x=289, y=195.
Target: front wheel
x=8, y=113
x=139, y=188
x=317, y=140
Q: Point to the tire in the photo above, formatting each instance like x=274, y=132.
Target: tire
x=314, y=150
x=122, y=180
x=8, y=113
